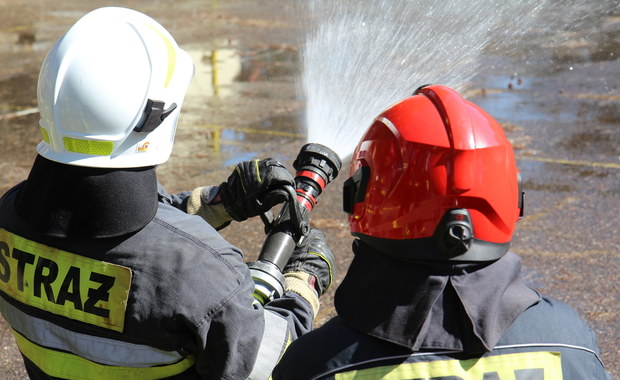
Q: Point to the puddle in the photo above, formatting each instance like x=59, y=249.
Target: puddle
x=243, y=143
x=218, y=70
x=228, y=78
x=516, y=107
x=278, y=63
x=20, y=39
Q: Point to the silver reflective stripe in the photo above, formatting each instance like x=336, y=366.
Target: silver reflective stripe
x=97, y=349
x=272, y=346
x=552, y=345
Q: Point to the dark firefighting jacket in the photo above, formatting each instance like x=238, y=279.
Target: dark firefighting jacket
x=401, y=320
x=171, y=299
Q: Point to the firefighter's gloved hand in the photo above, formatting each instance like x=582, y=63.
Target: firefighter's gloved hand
x=310, y=270
x=203, y=201
x=254, y=187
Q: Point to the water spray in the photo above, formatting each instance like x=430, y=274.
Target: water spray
x=316, y=167
x=360, y=57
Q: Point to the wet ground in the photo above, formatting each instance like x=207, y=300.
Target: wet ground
x=562, y=120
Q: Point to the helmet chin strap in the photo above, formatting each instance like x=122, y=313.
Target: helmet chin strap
x=154, y=114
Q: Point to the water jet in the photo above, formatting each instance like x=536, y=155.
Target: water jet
x=359, y=57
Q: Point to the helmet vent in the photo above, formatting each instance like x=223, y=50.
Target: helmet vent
x=455, y=233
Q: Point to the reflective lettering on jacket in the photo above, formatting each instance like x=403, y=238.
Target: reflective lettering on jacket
x=542, y=365
x=64, y=283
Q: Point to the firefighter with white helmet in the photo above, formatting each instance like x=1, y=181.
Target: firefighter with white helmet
x=101, y=111
x=433, y=291
x=103, y=274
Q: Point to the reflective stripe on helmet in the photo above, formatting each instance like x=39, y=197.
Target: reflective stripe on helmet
x=94, y=147
x=172, y=54
x=45, y=135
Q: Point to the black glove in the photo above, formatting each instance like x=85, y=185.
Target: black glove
x=315, y=258
x=254, y=187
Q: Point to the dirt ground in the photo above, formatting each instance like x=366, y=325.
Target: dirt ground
x=563, y=124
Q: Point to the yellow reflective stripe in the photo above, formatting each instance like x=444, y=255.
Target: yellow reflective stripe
x=46, y=136
x=64, y=283
x=69, y=366
x=241, y=177
x=172, y=54
x=289, y=340
x=94, y=147
x=257, y=171
x=506, y=367
x=99, y=349
x=238, y=171
x=329, y=266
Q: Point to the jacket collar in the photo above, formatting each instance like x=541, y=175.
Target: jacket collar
x=432, y=305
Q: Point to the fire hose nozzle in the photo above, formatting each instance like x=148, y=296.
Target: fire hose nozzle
x=316, y=167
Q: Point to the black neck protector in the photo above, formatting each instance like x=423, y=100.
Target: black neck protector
x=68, y=201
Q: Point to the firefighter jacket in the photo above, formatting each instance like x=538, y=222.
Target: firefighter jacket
x=400, y=320
x=170, y=299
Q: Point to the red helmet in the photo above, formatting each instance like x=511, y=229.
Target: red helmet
x=434, y=178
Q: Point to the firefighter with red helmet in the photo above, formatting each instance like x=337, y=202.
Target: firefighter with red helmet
x=433, y=291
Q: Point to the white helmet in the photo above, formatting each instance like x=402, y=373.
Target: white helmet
x=110, y=92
